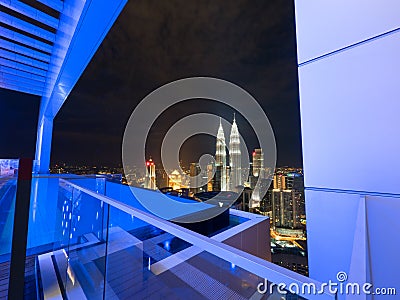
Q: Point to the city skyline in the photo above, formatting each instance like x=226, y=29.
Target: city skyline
x=255, y=50
x=167, y=73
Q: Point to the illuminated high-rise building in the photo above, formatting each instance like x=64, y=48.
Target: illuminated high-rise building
x=256, y=175
x=211, y=185
x=288, y=201
x=175, y=180
x=195, y=185
x=150, y=179
x=235, y=158
x=161, y=178
x=258, y=163
x=220, y=159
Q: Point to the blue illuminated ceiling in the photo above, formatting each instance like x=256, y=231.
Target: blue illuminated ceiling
x=45, y=45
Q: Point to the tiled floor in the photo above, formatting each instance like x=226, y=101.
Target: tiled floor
x=30, y=282
x=130, y=275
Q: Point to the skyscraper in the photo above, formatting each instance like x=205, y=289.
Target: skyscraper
x=220, y=158
x=150, y=180
x=235, y=158
x=257, y=174
x=175, y=180
x=287, y=201
x=195, y=185
x=258, y=163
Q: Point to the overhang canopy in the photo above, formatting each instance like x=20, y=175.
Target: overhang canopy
x=45, y=45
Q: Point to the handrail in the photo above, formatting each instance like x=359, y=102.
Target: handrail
x=262, y=268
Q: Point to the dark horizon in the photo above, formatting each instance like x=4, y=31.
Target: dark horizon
x=251, y=44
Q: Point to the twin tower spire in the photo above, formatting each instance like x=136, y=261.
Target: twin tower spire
x=230, y=177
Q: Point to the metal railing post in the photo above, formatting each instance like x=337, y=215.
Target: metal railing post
x=20, y=230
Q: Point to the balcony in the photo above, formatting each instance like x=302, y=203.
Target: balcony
x=89, y=238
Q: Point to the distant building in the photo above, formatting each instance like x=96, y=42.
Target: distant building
x=195, y=185
x=175, y=180
x=287, y=199
x=257, y=175
x=291, y=258
x=161, y=178
x=150, y=178
x=235, y=158
x=220, y=161
x=258, y=163
x=194, y=170
x=244, y=200
x=217, y=180
x=221, y=176
x=210, y=178
x=251, y=180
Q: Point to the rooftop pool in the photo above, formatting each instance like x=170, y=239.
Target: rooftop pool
x=60, y=214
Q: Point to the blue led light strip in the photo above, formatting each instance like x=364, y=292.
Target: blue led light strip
x=27, y=27
x=54, y=4
x=15, y=36
x=23, y=59
x=30, y=12
x=21, y=80
x=23, y=74
x=24, y=50
x=22, y=67
x=20, y=88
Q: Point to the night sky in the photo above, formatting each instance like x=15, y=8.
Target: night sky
x=250, y=43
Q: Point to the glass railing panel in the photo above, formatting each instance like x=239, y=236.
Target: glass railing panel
x=48, y=215
x=92, y=182
x=145, y=256
x=145, y=261
x=133, y=247
x=45, y=215
x=62, y=214
x=67, y=227
x=85, y=225
x=8, y=189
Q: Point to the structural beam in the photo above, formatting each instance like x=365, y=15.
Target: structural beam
x=27, y=27
x=30, y=12
x=54, y=4
x=17, y=80
x=22, y=74
x=81, y=33
x=20, y=88
x=22, y=67
x=85, y=36
x=51, y=69
x=23, y=39
x=24, y=50
x=23, y=59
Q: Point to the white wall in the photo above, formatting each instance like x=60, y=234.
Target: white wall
x=349, y=80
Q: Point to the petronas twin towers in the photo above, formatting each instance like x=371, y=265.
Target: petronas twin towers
x=229, y=177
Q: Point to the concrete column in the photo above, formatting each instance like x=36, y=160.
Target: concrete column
x=43, y=145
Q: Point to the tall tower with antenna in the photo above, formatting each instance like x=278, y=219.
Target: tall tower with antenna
x=150, y=179
x=220, y=158
x=235, y=158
